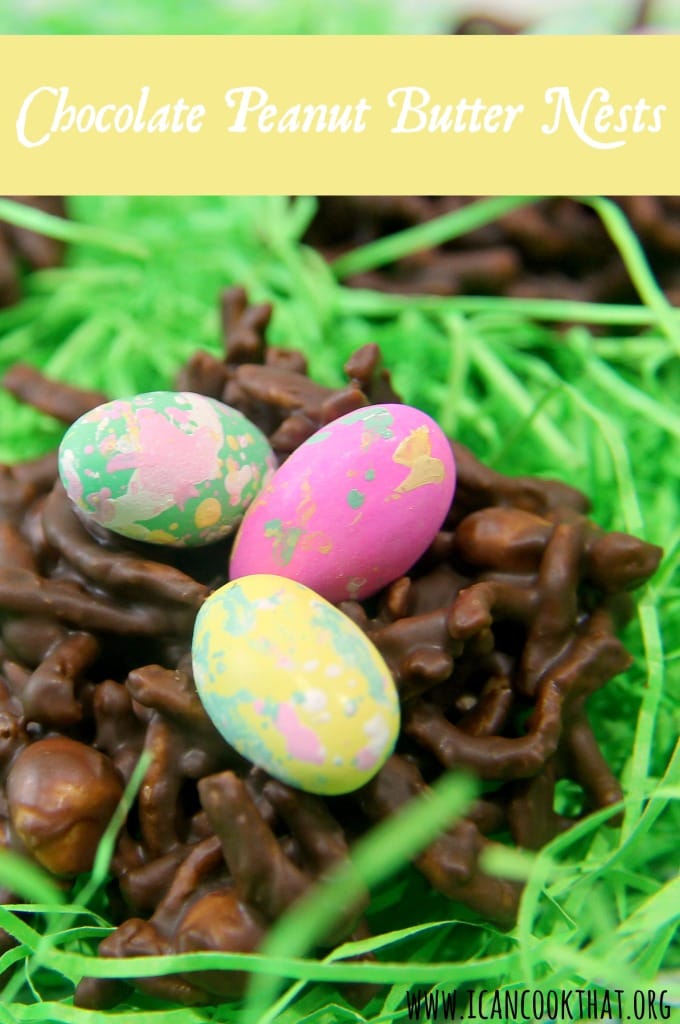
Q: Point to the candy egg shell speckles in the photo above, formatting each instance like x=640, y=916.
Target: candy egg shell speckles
x=165, y=467
x=294, y=685
x=354, y=506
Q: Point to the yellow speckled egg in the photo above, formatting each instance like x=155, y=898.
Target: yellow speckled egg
x=294, y=685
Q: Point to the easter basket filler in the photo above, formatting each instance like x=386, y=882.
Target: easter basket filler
x=247, y=617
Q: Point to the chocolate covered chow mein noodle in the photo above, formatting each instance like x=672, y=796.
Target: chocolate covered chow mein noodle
x=495, y=639
x=21, y=248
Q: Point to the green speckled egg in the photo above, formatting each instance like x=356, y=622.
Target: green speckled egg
x=165, y=467
x=294, y=685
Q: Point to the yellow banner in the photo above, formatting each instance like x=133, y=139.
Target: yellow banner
x=339, y=114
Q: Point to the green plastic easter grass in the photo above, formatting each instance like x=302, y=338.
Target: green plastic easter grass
x=303, y=16
x=601, y=903
x=172, y=17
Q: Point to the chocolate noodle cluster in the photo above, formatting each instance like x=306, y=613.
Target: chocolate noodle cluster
x=496, y=639
x=553, y=249
x=21, y=248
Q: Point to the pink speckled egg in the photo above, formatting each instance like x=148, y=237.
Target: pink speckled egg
x=354, y=506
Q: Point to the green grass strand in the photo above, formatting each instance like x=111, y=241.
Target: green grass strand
x=637, y=265
x=64, y=230
x=357, y=301
x=424, y=236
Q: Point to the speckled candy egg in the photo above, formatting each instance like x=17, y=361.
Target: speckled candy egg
x=354, y=506
x=164, y=467
x=294, y=685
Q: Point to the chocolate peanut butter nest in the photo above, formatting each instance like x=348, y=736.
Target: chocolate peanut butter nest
x=496, y=639
x=556, y=248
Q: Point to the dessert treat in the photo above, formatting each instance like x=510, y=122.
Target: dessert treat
x=383, y=469
x=494, y=639
x=20, y=247
x=294, y=685
x=81, y=783
x=554, y=249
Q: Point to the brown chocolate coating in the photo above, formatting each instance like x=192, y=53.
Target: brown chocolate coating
x=119, y=572
x=49, y=695
x=61, y=797
x=220, y=920
x=20, y=247
x=59, y=400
